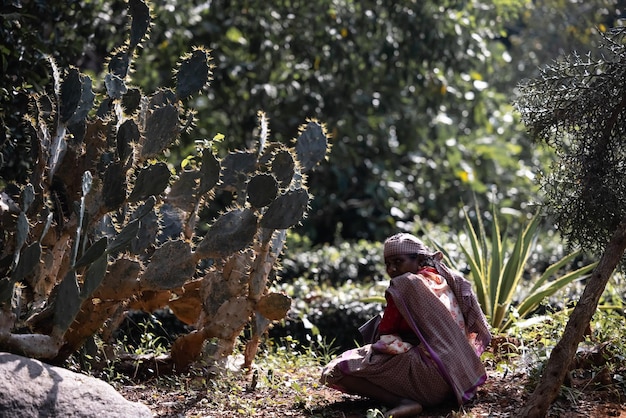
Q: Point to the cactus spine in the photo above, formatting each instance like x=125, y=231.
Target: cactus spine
x=104, y=226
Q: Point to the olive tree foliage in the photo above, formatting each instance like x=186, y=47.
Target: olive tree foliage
x=405, y=89
x=578, y=108
x=546, y=29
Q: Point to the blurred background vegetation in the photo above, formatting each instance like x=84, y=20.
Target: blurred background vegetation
x=418, y=96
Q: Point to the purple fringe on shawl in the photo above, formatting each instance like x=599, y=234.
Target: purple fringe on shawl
x=444, y=351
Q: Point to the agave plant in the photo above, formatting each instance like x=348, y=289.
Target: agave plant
x=497, y=268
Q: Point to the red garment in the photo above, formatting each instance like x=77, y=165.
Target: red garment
x=393, y=322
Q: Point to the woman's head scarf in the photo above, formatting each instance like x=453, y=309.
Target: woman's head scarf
x=405, y=244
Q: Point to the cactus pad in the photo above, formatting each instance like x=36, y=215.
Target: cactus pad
x=131, y=100
x=115, y=86
x=94, y=276
x=147, y=232
x=262, y=190
x=29, y=259
x=283, y=167
x=67, y=302
x=184, y=190
x=151, y=181
x=232, y=232
x=170, y=266
x=194, y=73
x=274, y=306
x=114, y=188
x=119, y=63
x=93, y=253
x=236, y=167
x=127, y=134
x=140, y=13
x=311, y=145
x=161, y=130
x=209, y=172
x=76, y=97
x=287, y=210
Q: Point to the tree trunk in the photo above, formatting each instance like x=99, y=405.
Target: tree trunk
x=558, y=364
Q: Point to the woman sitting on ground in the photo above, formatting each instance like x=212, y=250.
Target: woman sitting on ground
x=426, y=348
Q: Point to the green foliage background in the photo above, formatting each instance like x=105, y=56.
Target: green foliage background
x=417, y=94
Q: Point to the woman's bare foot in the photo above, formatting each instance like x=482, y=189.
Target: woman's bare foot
x=406, y=408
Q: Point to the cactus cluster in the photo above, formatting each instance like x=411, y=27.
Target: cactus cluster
x=107, y=225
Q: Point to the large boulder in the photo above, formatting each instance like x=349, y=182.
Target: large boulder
x=31, y=388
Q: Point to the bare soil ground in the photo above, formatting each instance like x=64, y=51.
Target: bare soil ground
x=296, y=393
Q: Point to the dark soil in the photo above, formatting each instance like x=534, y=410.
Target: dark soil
x=297, y=393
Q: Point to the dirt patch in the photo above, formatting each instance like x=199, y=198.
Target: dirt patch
x=297, y=393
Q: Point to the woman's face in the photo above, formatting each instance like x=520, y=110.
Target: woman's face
x=400, y=264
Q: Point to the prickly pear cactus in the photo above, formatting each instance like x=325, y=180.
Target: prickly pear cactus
x=106, y=224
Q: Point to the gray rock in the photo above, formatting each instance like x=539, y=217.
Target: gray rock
x=31, y=388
